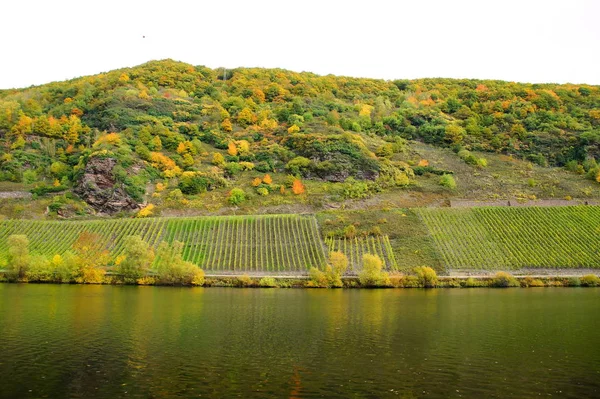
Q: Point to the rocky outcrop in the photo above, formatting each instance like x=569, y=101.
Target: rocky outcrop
x=100, y=190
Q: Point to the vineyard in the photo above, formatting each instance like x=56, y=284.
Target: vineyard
x=355, y=248
x=279, y=243
x=505, y=238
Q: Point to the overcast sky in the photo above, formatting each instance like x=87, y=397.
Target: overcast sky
x=524, y=40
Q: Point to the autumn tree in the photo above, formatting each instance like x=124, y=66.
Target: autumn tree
x=297, y=187
x=372, y=274
x=91, y=257
x=232, y=149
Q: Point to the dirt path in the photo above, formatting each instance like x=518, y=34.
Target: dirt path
x=14, y=194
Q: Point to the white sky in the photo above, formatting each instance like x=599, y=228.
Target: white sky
x=524, y=40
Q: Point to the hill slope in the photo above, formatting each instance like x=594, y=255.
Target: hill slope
x=182, y=137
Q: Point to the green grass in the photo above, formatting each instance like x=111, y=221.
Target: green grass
x=278, y=243
x=506, y=238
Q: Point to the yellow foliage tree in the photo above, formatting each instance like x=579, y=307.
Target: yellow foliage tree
x=243, y=147
x=218, y=159
x=256, y=182
x=232, y=149
x=293, y=129
x=226, y=125
x=146, y=211
x=246, y=117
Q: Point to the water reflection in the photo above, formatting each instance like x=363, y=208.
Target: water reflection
x=98, y=341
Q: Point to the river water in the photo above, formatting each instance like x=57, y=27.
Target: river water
x=60, y=341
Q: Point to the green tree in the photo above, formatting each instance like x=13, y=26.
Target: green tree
x=138, y=258
x=18, y=255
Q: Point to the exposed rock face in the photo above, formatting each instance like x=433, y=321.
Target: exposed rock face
x=97, y=187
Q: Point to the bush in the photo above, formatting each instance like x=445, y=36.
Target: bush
x=318, y=278
x=503, y=280
x=91, y=275
x=573, y=282
x=40, y=269
x=590, y=280
x=66, y=267
x=198, y=277
x=427, y=276
x=471, y=282
x=267, y=282
x=236, y=196
x=170, y=267
x=372, y=274
x=244, y=281
x=338, y=262
x=532, y=282
x=448, y=181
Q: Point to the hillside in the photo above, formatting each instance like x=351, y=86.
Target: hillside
x=176, y=139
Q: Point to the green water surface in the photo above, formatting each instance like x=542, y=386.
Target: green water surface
x=75, y=341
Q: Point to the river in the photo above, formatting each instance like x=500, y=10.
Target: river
x=76, y=341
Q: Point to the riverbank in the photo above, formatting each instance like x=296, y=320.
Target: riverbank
x=499, y=280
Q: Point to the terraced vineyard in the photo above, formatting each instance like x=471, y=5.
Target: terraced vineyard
x=279, y=243
x=355, y=248
x=507, y=238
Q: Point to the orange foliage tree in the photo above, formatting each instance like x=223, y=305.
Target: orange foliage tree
x=297, y=187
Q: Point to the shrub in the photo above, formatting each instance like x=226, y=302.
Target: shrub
x=244, y=281
x=503, y=280
x=372, y=274
x=66, y=267
x=532, y=282
x=350, y=231
x=40, y=269
x=396, y=280
x=590, y=280
x=267, y=282
x=448, y=181
x=471, y=282
x=146, y=211
x=338, y=262
x=318, y=278
x=170, y=267
x=198, y=277
x=573, y=282
x=427, y=276
x=236, y=196
x=410, y=282
x=91, y=275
